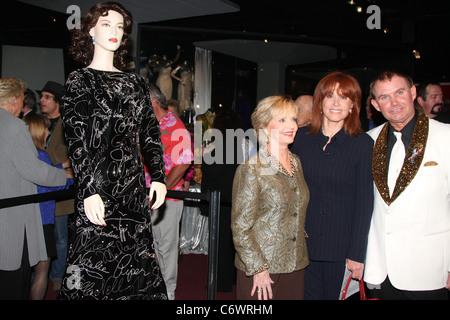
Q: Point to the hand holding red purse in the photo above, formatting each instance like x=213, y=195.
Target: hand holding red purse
x=362, y=291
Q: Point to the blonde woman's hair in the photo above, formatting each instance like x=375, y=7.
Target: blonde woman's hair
x=37, y=123
x=266, y=110
x=9, y=88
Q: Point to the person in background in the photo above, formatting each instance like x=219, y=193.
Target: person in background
x=431, y=98
x=22, y=243
x=51, y=96
x=218, y=175
x=304, y=104
x=38, y=126
x=408, y=252
x=56, y=148
x=174, y=107
x=337, y=161
x=29, y=103
x=374, y=117
x=178, y=156
x=269, y=201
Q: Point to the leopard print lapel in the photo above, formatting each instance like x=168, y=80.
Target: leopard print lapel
x=411, y=164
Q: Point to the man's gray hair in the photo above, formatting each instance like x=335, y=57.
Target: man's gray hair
x=155, y=93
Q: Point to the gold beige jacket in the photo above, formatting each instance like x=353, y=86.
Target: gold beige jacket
x=268, y=216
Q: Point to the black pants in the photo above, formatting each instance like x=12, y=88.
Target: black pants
x=389, y=292
x=14, y=285
x=323, y=280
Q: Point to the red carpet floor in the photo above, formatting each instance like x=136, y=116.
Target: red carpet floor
x=192, y=279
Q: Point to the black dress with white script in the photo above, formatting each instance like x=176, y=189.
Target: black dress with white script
x=108, y=119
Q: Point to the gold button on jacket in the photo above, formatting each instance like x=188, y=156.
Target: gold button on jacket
x=268, y=216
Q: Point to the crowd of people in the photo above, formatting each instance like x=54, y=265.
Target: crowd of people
x=318, y=200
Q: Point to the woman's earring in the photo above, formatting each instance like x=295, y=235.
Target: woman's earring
x=93, y=39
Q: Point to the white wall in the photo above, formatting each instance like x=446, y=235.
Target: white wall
x=34, y=66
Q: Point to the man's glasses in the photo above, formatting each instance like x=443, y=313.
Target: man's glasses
x=48, y=96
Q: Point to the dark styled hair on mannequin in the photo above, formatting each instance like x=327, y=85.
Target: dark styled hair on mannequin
x=82, y=47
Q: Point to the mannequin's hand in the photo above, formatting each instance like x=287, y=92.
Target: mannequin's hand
x=161, y=191
x=95, y=209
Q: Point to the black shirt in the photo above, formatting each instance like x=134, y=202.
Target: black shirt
x=407, y=133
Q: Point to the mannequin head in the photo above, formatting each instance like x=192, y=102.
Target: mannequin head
x=82, y=46
x=108, y=32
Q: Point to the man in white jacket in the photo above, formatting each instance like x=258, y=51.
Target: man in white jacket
x=408, y=254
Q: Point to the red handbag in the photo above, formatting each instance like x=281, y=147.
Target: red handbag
x=362, y=290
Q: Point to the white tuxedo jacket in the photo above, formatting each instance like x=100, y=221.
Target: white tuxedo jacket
x=409, y=237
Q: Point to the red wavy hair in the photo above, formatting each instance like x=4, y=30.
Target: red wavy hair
x=349, y=87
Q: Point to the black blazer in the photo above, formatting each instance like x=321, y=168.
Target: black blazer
x=341, y=193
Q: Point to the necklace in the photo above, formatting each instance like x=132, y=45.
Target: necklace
x=277, y=164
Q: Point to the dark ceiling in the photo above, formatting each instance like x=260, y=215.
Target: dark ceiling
x=405, y=26
x=410, y=25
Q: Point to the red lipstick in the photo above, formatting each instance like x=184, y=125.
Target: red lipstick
x=113, y=40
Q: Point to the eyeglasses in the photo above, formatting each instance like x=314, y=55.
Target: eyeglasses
x=48, y=96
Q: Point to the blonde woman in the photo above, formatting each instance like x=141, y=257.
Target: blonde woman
x=38, y=126
x=269, y=203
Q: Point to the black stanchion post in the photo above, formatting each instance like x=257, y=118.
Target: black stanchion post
x=213, y=245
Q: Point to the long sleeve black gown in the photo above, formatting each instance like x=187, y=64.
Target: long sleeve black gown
x=108, y=119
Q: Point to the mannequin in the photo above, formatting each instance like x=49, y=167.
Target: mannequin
x=108, y=120
x=185, y=86
x=164, y=80
x=103, y=60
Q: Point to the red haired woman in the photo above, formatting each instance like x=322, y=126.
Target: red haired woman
x=337, y=161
